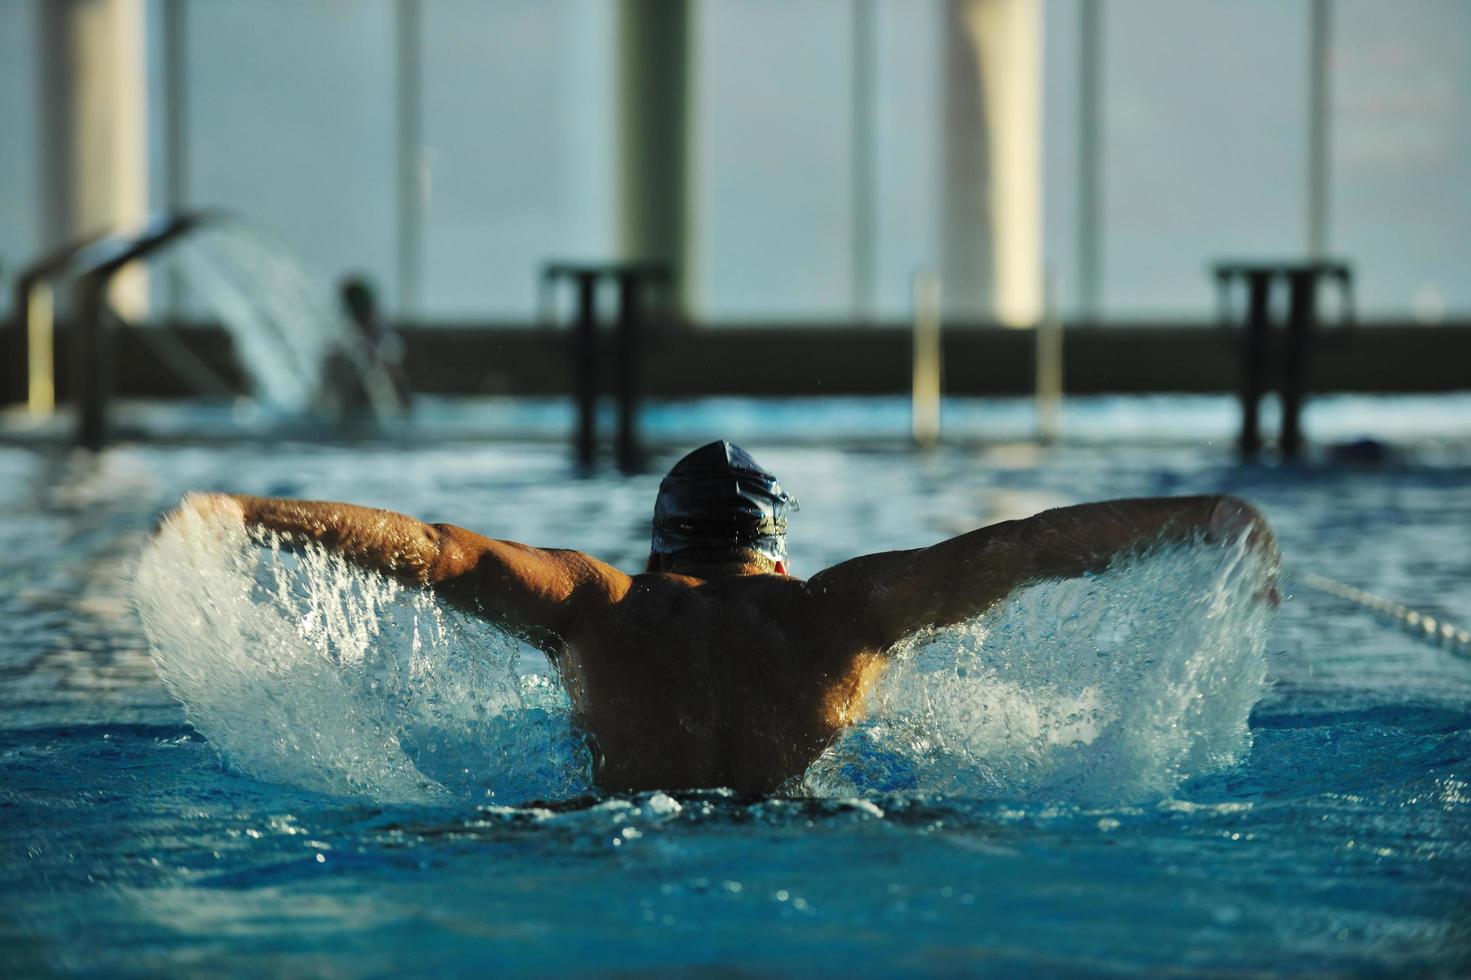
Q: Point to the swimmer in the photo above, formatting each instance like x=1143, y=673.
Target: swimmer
x=715, y=667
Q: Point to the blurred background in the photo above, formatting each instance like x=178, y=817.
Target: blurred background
x=813, y=177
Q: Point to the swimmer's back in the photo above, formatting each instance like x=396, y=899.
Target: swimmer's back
x=739, y=682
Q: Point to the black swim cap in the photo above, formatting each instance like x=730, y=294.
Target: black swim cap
x=718, y=497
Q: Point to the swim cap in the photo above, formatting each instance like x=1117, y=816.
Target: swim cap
x=718, y=497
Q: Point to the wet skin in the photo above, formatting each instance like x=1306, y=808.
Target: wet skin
x=733, y=675
x=738, y=681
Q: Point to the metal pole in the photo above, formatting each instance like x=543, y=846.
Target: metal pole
x=1090, y=165
x=629, y=283
x=1302, y=311
x=1256, y=333
x=91, y=361
x=16, y=369
x=928, y=363
x=409, y=216
x=965, y=245
x=1318, y=175
x=29, y=368
x=39, y=325
x=861, y=151
x=1048, y=365
x=585, y=367
x=56, y=86
x=655, y=43
x=176, y=121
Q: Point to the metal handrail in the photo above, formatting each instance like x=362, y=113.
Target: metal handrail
x=99, y=254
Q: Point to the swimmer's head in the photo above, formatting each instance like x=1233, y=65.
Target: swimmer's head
x=718, y=506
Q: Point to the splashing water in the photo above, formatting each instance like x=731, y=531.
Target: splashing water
x=1111, y=688
x=285, y=328
x=302, y=669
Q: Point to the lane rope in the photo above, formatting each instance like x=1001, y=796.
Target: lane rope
x=1418, y=624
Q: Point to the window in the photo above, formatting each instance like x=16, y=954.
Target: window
x=20, y=191
x=518, y=149
x=773, y=160
x=289, y=108
x=835, y=148
x=1204, y=147
x=1401, y=160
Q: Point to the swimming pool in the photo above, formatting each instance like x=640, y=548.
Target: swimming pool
x=1339, y=841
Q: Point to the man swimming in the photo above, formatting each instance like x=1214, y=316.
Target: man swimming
x=715, y=667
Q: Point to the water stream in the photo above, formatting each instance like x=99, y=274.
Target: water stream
x=294, y=343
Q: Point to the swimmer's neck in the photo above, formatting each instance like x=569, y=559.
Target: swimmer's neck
x=715, y=571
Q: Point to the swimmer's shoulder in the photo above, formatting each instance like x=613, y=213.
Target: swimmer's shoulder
x=654, y=592
x=655, y=596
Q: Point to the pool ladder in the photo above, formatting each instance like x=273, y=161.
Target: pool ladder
x=91, y=263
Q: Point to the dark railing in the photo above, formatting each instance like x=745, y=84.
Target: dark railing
x=90, y=263
x=15, y=384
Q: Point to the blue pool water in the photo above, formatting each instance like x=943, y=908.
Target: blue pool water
x=1303, y=804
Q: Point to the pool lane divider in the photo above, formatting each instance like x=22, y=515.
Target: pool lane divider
x=1416, y=623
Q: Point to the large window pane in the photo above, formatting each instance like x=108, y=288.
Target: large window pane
x=799, y=206
x=773, y=160
x=20, y=192
x=1062, y=50
x=518, y=148
x=907, y=82
x=1401, y=160
x=1204, y=146
x=290, y=122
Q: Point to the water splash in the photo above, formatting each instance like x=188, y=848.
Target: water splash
x=287, y=330
x=1106, y=689
x=302, y=669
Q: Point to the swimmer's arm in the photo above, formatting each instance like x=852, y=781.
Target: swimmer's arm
x=954, y=580
x=537, y=590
